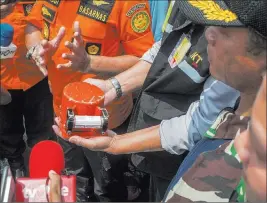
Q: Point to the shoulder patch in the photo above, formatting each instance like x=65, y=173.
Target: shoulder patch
x=96, y=9
x=93, y=48
x=27, y=8
x=54, y=2
x=46, y=30
x=135, y=8
x=140, y=21
x=48, y=14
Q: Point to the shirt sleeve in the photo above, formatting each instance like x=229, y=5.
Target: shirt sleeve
x=182, y=133
x=151, y=54
x=35, y=16
x=135, y=27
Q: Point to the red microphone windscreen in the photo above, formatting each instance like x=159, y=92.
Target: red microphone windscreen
x=46, y=156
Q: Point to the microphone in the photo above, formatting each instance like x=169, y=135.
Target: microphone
x=7, y=48
x=46, y=156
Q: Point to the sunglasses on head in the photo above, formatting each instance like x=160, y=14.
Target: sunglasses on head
x=4, y=2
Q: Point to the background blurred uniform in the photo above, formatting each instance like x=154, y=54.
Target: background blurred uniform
x=31, y=109
x=109, y=28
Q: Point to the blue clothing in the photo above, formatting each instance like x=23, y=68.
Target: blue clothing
x=180, y=134
x=158, y=10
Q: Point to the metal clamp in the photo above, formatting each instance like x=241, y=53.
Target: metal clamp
x=105, y=117
x=81, y=123
x=70, y=120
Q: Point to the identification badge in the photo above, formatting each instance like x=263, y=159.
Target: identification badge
x=179, y=51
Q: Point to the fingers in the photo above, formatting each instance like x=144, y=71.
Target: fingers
x=78, y=40
x=57, y=120
x=66, y=65
x=56, y=128
x=54, y=193
x=74, y=47
x=60, y=35
x=111, y=133
x=49, y=47
x=77, y=33
x=76, y=27
x=45, y=45
x=70, y=57
x=99, y=83
x=99, y=143
x=87, y=143
x=53, y=176
x=70, y=46
x=110, y=95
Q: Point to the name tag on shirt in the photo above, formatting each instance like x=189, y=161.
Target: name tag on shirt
x=179, y=51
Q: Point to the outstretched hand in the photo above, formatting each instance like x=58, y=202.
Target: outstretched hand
x=98, y=143
x=78, y=59
x=43, y=52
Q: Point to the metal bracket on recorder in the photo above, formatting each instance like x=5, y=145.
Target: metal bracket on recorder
x=81, y=123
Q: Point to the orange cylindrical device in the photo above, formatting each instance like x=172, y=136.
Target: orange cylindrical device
x=84, y=100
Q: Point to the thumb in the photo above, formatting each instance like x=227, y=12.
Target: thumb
x=51, y=174
x=60, y=35
x=111, y=133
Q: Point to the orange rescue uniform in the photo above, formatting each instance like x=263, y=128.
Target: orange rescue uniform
x=109, y=28
x=18, y=72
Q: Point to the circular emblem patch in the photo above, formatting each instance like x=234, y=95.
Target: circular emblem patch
x=140, y=21
x=93, y=50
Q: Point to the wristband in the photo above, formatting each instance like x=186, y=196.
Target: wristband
x=117, y=87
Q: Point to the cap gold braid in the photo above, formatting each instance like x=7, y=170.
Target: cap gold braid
x=213, y=11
